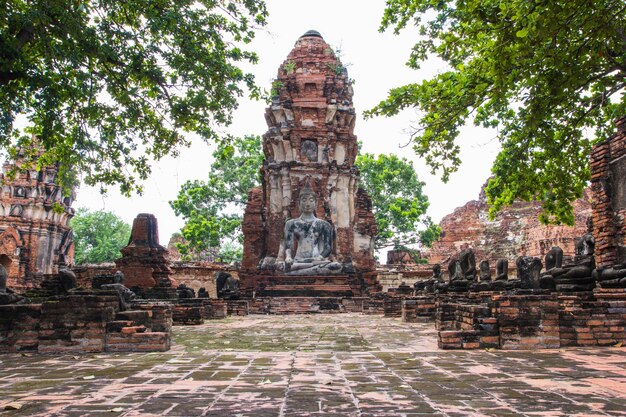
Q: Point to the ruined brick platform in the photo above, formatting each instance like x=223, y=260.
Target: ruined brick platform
x=305, y=286
x=84, y=323
x=331, y=365
x=535, y=320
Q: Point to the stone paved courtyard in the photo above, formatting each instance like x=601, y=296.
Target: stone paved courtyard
x=331, y=365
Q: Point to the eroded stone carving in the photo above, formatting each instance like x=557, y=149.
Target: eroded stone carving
x=67, y=279
x=578, y=275
x=6, y=295
x=227, y=286
x=502, y=269
x=554, y=263
x=432, y=284
x=528, y=269
x=183, y=291
x=462, y=270
x=485, y=273
x=125, y=295
x=611, y=277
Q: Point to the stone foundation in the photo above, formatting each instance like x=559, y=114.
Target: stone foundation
x=306, y=305
x=534, y=321
x=418, y=309
x=84, y=323
x=237, y=307
x=374, y=306
x=302, y=285
x=392, y=307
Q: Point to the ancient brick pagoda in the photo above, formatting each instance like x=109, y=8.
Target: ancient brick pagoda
x=34, y=237
x=144, y=262
x=309, y=149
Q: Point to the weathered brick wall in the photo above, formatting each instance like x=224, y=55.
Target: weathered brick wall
x=390, y=277
x=527, y=321
x=19, y=327
x=419, y=309
x=466, y=326
x=85, y=273
x=593, y=320
x=534, y=321
x=216, y=309
x=238, y=307
x=84, y=323
x=76, y=323
x=373, y=306
x=200, y=274
x=194, y=274
x=189, y=311
x=608, y=185
x=392, y=307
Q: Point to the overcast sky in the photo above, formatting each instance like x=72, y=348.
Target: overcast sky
x=375, y=61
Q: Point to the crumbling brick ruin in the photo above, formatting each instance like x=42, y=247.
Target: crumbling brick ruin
x=35, y=237
x=515, y=231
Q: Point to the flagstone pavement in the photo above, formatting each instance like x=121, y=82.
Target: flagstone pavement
x=327, y=365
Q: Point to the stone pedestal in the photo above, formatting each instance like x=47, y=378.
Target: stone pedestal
x=303, y=286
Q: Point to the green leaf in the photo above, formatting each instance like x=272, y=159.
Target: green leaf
x=522, y=33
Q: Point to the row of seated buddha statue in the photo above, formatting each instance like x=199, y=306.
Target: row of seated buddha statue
x=579, y=274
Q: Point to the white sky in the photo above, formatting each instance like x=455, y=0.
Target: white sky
x=375, y=61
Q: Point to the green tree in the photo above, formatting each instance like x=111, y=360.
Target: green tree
x=398, y=201
x=98, y=236
x=107, y=86
x=213, y=209
x=546, y=74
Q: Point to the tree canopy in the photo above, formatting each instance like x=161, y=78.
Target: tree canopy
x=213, y=209
x=98, y=236
x=105, y=86
x=548, y=75
x=398, y=201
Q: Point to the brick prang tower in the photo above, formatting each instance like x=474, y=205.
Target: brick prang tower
x=310, y=142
